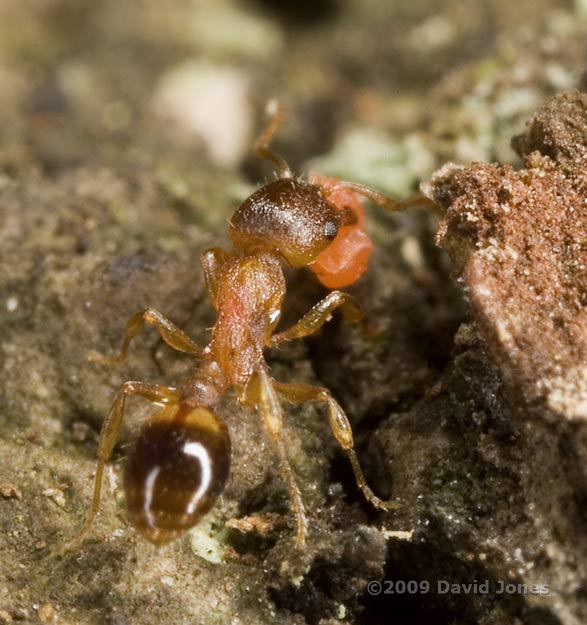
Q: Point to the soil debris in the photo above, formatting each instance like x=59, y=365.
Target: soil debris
x=10, y=491
x=518, y=244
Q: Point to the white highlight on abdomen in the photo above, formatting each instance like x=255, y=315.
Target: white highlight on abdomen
x=197, y=450
x=149, y=487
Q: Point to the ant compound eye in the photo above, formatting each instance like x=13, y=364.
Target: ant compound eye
x=175, y=472
x=330, y=230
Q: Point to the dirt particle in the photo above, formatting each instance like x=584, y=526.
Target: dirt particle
x=47, y=613
x=262, y=524
x=34, y=436
x=10, y=491
x=79, y=431
x=56, y=495
x=20, y=614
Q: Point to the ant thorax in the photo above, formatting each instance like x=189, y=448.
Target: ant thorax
x=250, y=293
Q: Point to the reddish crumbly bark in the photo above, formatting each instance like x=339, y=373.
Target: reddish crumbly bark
x=518, y=243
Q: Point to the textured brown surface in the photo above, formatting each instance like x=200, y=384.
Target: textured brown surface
x=518, y=241
x=558, y=130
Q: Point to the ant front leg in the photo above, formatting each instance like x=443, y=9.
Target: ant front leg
x=169, y=332
x=109, y=435
x=341, y=428
x=260, y=391
x=318, y=315
x=212, y=261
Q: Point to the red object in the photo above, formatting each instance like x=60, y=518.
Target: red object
x=345, y=260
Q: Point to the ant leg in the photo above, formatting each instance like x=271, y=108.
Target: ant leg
x=318, y=315
x=170, y=333
x=211, y=261
x=261, y=392
x=109, y=435
x=341, y=428
x=277, y=116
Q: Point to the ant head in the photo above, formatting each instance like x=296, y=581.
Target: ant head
x=289, y=217
x=319, y=225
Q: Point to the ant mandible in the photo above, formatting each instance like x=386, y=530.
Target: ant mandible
x=179, y=463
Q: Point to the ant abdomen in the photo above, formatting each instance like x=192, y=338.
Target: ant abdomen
x=178, y=466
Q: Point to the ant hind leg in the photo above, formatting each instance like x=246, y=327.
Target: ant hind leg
x=261, y=392
x=341, y=428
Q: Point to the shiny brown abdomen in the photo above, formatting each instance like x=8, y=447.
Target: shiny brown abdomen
x=178, y=466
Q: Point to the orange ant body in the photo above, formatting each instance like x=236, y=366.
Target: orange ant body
x=179, y=463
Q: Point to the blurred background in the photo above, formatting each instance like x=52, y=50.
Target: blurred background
x=384, y=91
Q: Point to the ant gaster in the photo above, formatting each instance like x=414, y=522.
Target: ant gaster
x=179, y=463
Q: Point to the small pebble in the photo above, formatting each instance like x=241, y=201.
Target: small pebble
x=11, y=304
x=80, y=431
x=10, y=491
x=208, y=103
x=55, y=495
x=34, y=436
x=47, y=613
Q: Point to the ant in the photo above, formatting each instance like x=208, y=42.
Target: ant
x=179, y=463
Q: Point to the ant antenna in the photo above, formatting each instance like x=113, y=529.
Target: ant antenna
x=278, y=114
x=376, y=196
x=383, y=200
